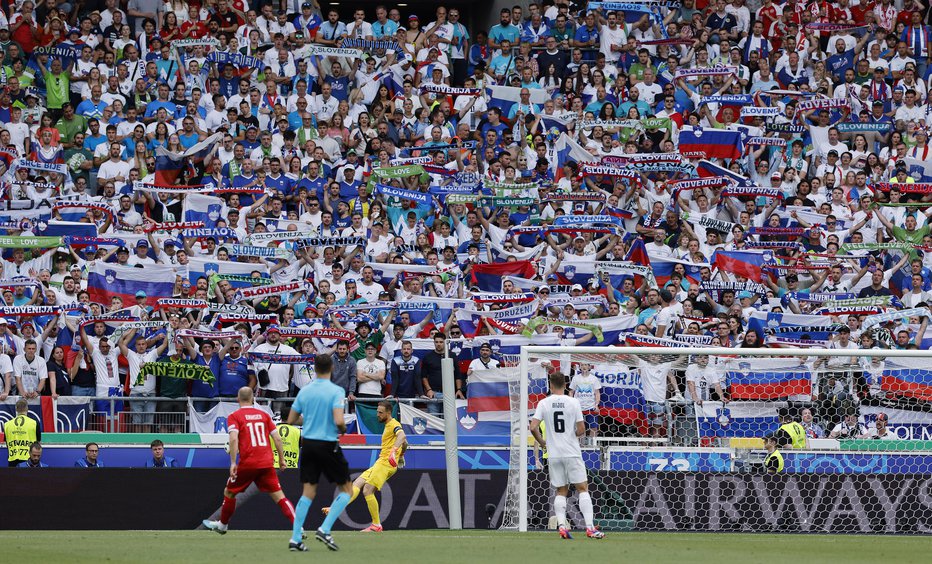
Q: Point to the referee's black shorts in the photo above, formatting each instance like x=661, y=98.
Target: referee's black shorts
x=323, y=457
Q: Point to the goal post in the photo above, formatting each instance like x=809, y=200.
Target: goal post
x=722, y=434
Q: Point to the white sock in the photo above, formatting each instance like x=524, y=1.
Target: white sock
x=559, y=507
x=585, y=505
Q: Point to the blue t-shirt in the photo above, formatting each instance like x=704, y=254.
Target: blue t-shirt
x=234, y=374
x=203, y=389
x=316, y=403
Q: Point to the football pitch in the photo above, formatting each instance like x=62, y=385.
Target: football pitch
x=472, y=547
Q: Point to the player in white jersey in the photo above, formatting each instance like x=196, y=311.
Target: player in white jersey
x=564, y=419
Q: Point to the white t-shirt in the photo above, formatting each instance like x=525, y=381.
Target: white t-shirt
x=584, y=389
x=135, y=362
x=654, y=380
x=107, y=368
x=279, y=374
x=30, y=372
x=703, y=378
x=374, y=368
x=560, y=413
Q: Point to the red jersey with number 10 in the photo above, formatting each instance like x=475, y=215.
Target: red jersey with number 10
x=254, y=426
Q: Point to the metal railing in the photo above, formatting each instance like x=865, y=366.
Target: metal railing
x=158, y=414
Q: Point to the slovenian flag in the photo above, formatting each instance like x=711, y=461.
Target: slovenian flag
x=489, y=276
x=707, y=169
x=664, y=268
x=908, y=377
x=105, y=280
x=170, y=166
x=487, y=390
x=751, y=419
x=613, y=329
x=55, y=228
x=712, y=143
x=553, y=123
x=747, y=264
x=504, y=97
x=566, y=150
x=767, y=378
x=205, y=208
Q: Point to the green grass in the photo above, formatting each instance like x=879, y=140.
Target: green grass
x=470, y=547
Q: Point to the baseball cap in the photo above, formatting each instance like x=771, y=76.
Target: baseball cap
x=122, y=250
x=744, y=294
x=413, y=17
x=485, y=346
x=576, y=287
x=274, y=329
x=140, y=294
x=3, y=321
x=305, y=5
x=142, y=243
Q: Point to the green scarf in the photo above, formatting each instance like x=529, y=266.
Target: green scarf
x=538, y=321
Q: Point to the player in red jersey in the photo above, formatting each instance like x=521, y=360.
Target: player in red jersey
x=249, y=429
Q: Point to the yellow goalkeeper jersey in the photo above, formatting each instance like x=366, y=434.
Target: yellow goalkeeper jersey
x=389, y=437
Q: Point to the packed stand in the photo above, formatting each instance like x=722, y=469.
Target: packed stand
x=202, y=197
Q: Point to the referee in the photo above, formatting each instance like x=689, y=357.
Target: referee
x=321, y=404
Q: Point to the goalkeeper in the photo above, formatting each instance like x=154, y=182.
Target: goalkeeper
x=394, y=445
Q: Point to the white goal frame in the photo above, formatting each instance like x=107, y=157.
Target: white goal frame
x=530, y=350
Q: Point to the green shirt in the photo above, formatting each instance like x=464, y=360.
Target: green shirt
x=374, y=337
x=637, y=70
x=914, y=237
x=57, y=87
x=69, y=127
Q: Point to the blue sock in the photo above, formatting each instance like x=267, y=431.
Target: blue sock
x=300, y=514
x=336, y=508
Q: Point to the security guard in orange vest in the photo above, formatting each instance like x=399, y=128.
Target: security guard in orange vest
x=20, y=432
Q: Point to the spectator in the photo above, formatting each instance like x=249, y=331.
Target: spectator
x=848, y=428
x=406, y=378
x=370, y=374
x=880, y=430
x=90, y=458
x=35, y=457
x=813, y=429
x=159, y=460
x=31, y=372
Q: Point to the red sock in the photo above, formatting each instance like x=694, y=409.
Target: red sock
x=227, y=509
x=287, y=509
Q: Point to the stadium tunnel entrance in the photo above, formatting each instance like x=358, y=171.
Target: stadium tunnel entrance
x=478, y=15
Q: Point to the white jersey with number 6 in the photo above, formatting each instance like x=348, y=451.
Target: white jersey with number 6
x=560, y=413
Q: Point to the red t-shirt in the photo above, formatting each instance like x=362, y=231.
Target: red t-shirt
x=254, y=426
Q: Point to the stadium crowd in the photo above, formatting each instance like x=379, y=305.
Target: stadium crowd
x=310, y=178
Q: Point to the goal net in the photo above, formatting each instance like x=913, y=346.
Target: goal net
x=676, y=439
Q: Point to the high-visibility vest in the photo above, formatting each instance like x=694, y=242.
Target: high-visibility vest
x=796, y=433
x=20, y=432
x=774, y=456
x=291, y=445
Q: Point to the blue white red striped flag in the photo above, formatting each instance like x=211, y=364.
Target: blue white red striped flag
x=105, y=280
